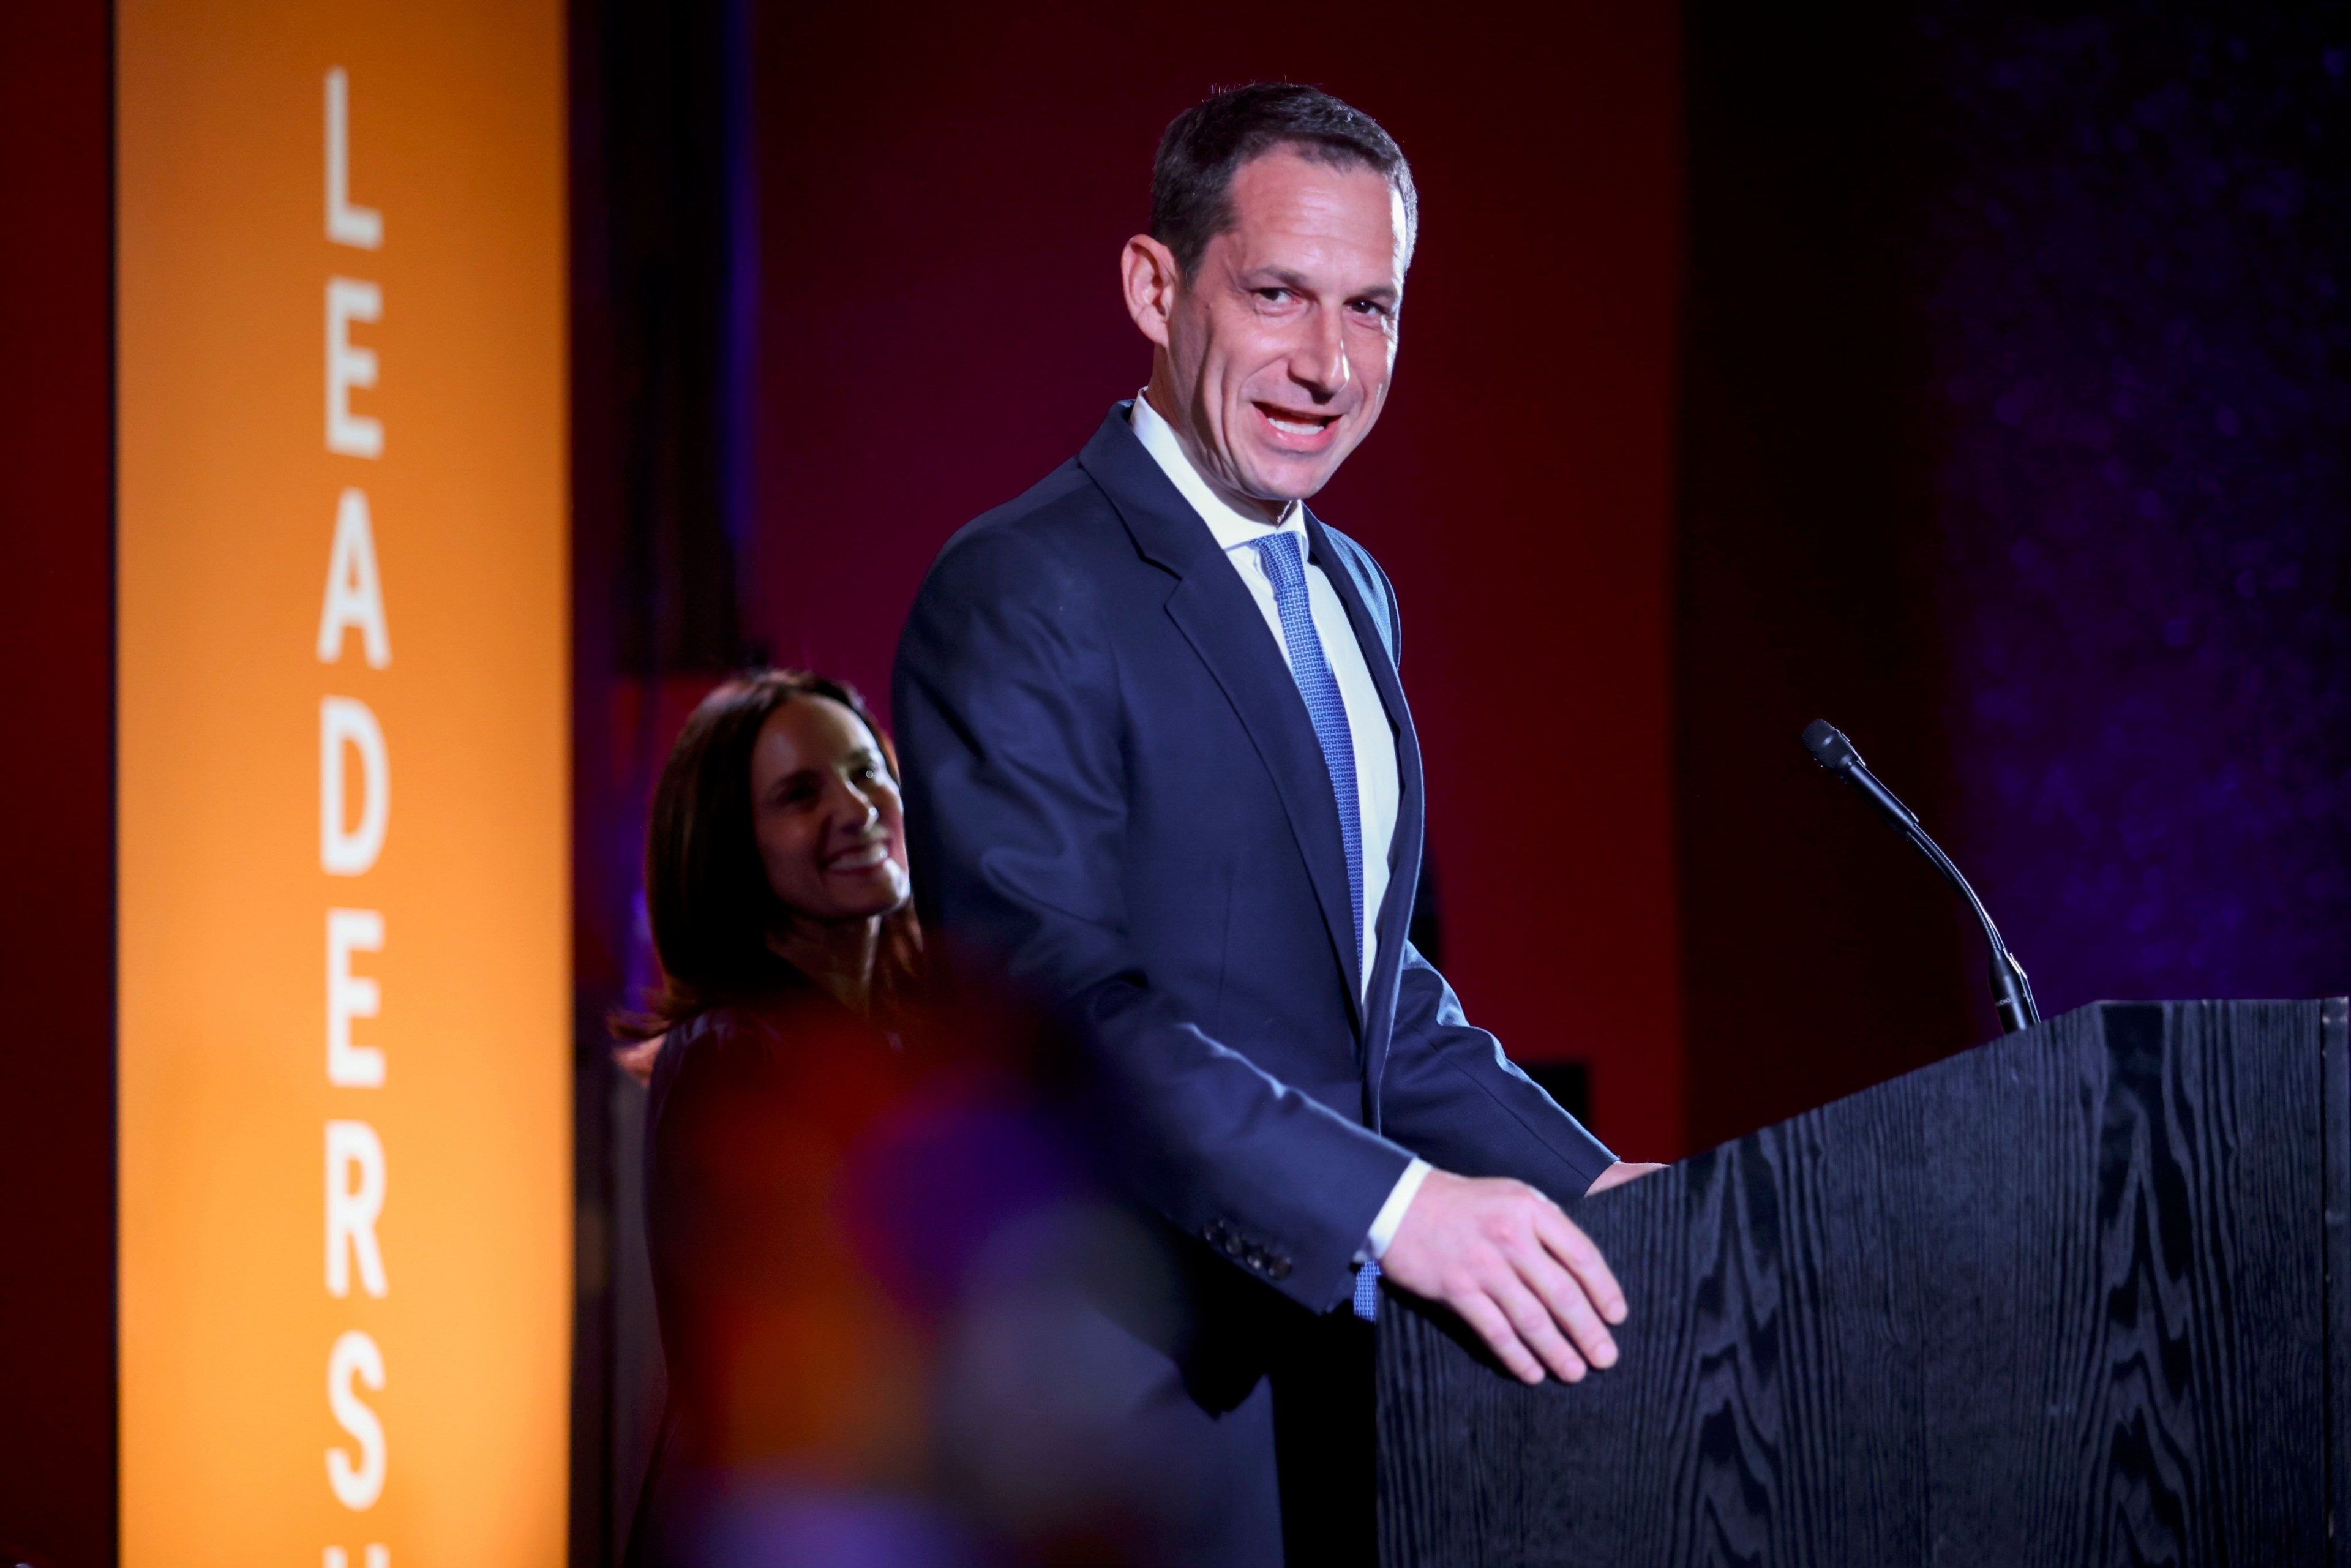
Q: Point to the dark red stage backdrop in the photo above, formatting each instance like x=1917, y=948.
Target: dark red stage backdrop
x=57, y=822
x=944, y=194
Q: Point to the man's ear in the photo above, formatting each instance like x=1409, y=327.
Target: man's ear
x=1148, y=271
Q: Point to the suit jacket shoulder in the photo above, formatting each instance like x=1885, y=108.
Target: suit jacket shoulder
x=1045, y=546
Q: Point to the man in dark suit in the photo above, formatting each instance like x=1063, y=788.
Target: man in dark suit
x=1159, y=765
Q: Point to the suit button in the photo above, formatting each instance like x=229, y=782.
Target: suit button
x=1278, y=1269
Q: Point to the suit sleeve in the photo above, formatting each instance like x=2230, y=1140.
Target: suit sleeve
x=1448, y=1092
x=1009, y=715
x=1451, y=1095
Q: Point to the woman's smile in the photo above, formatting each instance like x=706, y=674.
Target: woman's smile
x=862, y=857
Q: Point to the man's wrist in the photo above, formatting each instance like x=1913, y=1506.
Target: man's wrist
x=1385, y=1223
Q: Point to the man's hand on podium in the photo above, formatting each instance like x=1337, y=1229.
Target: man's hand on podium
x=1515, y=1268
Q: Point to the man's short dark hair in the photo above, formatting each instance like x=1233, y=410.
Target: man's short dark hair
x=1205, y=146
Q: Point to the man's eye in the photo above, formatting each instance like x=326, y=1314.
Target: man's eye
x=1275, y=296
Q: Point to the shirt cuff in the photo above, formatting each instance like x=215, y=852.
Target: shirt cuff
x=1391, y=1214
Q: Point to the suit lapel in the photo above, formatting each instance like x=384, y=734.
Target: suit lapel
x=1403, y=858
x=1213, y=611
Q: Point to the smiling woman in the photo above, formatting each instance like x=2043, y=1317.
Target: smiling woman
x=775, y=880
x=776, y=854
x=874, y=1239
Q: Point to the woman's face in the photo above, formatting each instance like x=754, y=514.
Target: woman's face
x=826, y=814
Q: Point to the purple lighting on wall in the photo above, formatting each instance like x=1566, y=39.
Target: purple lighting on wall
x=2140, y=341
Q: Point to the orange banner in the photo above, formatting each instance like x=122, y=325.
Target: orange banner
x=344, y=1079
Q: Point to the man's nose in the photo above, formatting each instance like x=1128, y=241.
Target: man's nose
x=1320, y=362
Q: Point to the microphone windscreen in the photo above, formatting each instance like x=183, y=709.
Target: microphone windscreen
x=1829, y=747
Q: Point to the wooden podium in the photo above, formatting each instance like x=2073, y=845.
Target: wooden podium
x=2082, y=1295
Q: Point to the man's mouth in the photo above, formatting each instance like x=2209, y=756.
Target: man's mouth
x=1296, y=423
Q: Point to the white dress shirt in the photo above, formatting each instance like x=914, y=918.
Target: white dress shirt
x=1378, y=784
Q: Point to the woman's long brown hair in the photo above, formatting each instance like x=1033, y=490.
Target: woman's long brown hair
x=706, y=892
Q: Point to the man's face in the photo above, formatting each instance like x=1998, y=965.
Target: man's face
x=1279, y=348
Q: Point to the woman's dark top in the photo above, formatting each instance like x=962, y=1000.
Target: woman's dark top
x=796, y=1298
x=872, y=1255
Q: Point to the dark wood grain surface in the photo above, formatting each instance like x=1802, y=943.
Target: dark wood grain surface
x=2334, y=1028
x=2058, y=1299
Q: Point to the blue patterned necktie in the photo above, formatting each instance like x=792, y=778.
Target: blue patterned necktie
x=1285, y=568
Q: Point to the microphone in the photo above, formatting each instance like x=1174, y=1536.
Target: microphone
x=2011, y=993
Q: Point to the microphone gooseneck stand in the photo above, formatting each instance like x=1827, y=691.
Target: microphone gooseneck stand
x=2011, y=993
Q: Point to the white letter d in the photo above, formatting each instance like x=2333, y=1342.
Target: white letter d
x=347, y=721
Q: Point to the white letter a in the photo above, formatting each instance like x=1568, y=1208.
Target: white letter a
x=354, y=592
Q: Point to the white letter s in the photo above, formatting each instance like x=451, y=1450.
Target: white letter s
x=357, y=1486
